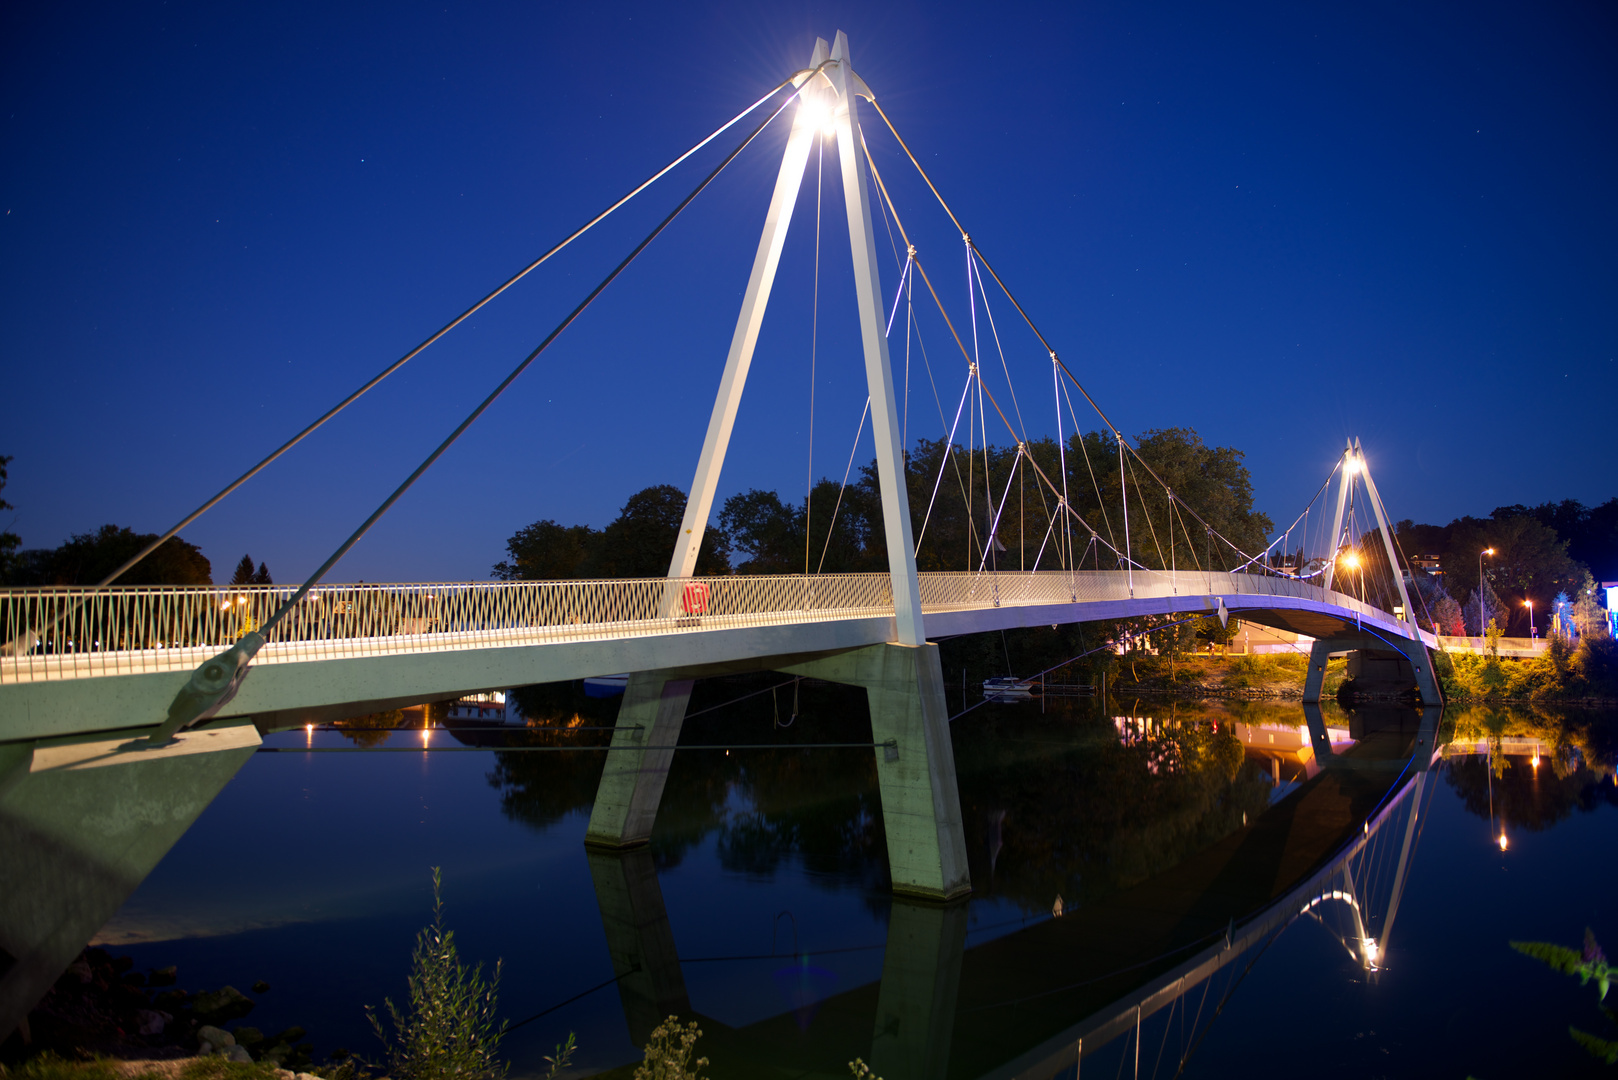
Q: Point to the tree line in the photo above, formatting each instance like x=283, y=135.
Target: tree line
x=87, y=558
x=996, y=508
x=1550, y=553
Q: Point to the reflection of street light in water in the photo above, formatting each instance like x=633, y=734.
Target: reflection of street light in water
x=1502, y=840
x=308, y=735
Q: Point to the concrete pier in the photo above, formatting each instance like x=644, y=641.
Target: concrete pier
x=1377, y=664
x=921, y=807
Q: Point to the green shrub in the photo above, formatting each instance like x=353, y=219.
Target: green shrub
x=450, y=1031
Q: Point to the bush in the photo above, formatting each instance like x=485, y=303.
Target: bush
x=668, y=1053
x=450, y=1031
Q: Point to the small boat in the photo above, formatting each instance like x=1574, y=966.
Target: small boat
x=600, y=686
x=1009, y=687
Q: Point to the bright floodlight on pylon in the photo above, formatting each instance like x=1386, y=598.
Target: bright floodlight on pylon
x=817, y=112
x=1354, y=465
x=1350, y=559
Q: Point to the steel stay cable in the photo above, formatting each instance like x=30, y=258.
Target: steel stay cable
x=1069, y=660
x=946, y=454
x=882, y=189
x=1147, y=511
x=860, y=431
x=977, y=358
x=1043, y=341
x=995, y=332
x=1303, y=516
x=1084, y=449
x=25, y=641
x=1419, y=594
x=543, y=345
x=806, y=73
x=633, y=969
x=994, y=527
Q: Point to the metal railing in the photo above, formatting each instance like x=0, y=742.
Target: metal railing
x=71, y=633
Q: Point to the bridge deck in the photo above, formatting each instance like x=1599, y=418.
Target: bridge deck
x=83, y=633
x=369, y=647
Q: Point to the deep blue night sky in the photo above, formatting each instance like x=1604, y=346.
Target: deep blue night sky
x=1277, y=225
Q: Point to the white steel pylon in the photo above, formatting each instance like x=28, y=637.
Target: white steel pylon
x=1353, y=465
x=829, y=92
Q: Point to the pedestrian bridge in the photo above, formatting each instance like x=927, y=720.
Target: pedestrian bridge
x=99, y=685
x=97, y=660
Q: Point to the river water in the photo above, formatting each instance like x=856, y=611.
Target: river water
x=1236, y=896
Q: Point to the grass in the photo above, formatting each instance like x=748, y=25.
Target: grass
x=49, y=1066
x=1281, y=674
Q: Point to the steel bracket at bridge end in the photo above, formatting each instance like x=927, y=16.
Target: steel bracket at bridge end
x=211, y=686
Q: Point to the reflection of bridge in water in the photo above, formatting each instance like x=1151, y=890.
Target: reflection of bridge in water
x=1138, y=975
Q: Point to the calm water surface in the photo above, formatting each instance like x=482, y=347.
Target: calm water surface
x=1162, y=827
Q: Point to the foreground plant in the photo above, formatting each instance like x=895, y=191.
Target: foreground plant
x=668, y=1053
x=1587, y=965
x=450, y=1031
x=562, y=1058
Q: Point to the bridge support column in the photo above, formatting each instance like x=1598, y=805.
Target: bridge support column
x=921, y=980
x=1319, y=653
x=639, y=939
x=1426, y=677
x=1366, y=651
x=921, y=806
x=652, y=713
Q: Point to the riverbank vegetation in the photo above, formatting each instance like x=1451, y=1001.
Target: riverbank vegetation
x=50, y=1066
x=449, y=1030
x=1564, y=672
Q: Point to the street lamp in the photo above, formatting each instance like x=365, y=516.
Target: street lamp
x=1351, y=561
x=1485, y=551
x=1529, y=604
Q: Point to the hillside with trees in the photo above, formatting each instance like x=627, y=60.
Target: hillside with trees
x=1534, y=559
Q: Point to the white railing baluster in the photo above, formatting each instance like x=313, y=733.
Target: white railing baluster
x=76, y=633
